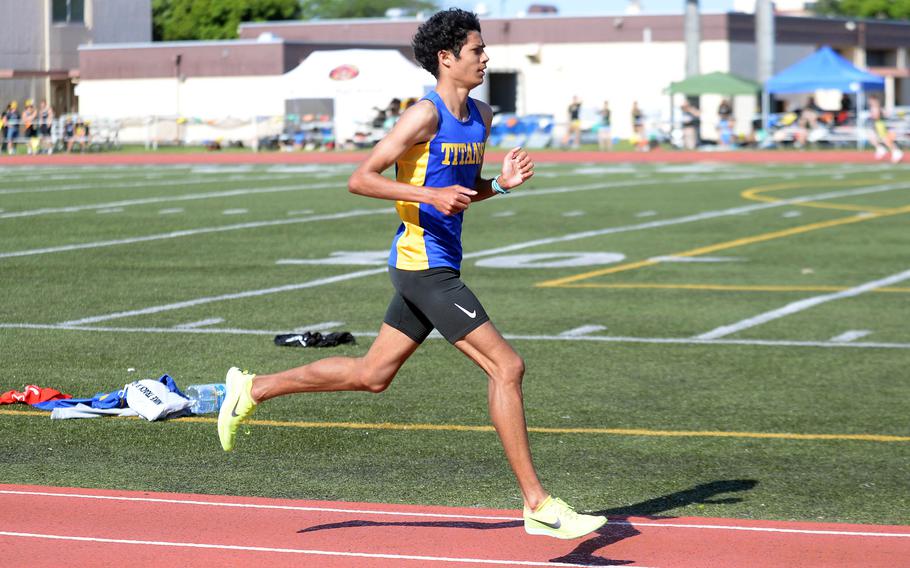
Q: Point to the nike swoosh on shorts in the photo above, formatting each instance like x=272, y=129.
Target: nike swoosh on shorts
x=471, y=315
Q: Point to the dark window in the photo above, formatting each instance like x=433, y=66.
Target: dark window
x=877, y=58
x=77, y=10
x=60, y=10
x=68, y=11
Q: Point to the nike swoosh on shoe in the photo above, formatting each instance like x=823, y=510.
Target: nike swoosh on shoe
x=554, y=526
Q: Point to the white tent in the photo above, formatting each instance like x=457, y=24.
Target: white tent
x=357, y=80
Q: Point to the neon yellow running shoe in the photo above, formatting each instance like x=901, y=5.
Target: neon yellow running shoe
x=554, y=518
x=237, y=406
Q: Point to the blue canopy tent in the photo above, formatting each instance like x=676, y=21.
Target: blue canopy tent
x=824, y=69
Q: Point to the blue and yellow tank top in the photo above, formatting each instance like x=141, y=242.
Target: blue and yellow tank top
x=426, y=237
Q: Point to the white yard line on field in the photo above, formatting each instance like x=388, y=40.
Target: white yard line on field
x=583, y=330
x=236, y=296
x=510, y=336
x=851, y=335
x=199, y=323
x=121, y=185
x=190, y=232
x=246, y=191
x=167, y=199
x=477, y=254
x=798, y=306
x=689, y=218
x=204, y=230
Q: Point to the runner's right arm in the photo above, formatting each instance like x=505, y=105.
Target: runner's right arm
x=416, y=126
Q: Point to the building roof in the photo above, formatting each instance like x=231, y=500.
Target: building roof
x=274, y=48
x=226, y=58
x=740, y=27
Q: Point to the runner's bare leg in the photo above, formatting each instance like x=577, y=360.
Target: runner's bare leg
x=505, y=369
x=373, y=372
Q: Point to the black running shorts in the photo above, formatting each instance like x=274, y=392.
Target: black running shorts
x=434, y=298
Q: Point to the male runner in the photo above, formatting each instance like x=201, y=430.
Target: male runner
x=437, y=148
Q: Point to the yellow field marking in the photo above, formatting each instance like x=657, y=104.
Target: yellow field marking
x=728, y=288
x=754, y=194
x=727, y=245
x=538, y=430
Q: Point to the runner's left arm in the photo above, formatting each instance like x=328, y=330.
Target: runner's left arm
x=517, y=166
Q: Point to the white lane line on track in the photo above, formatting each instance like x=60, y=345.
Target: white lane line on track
x=510, y=336
x=293, y=550
x=204, y=230
x=381, y=512
x=770, y=529
x=800, y=305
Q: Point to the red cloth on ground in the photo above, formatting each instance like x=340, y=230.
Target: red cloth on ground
x=31, y=395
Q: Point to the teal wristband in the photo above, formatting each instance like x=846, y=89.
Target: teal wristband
x=498, y=188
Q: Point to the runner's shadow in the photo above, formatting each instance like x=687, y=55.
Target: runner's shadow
x=620, y=528
x=476, y=525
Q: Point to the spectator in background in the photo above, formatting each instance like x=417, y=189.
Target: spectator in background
x=30, y=126
x=843, y=114
x=313, y=140
x=604, y=136
x=691, y=123
x=69, y=132
x=379, y=119
x=13, y=120
x=725, y=123
x=883, y=140
x=573, y=135
x=4, y=127
x=808, y=121
x=45, y=124
x=639, y=139
x=393, y=113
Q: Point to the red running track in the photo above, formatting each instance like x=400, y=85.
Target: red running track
x=53, y=526
x=541, y=156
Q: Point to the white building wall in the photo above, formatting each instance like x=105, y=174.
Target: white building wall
x=620, y=73
x=212, y=107
x=549, y=75
x=203, y=97
x=595, y=72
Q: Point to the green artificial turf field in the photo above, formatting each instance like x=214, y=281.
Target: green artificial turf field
x=711, y=340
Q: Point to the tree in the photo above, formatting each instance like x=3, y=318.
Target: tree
x=325, y=9
x=890, y=9
x=214, y=19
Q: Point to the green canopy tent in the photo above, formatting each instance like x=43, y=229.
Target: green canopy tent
x=717, y=83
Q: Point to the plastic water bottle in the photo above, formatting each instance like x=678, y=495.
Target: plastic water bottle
x=206, y=398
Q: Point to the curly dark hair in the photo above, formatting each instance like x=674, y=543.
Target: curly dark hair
x=444, y=31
